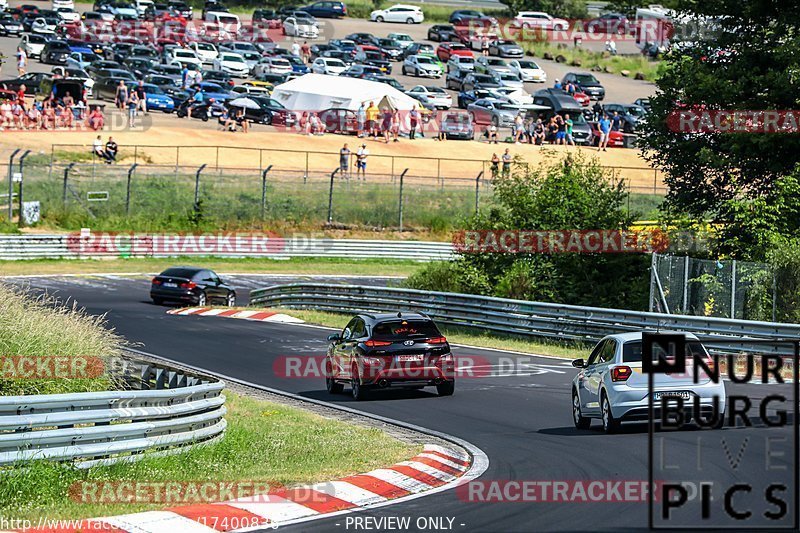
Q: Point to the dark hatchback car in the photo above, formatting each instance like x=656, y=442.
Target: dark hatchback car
x=192, y=285
x=326, y=9
x=377, y=351
x=55, y=52
x=442, y=33
x=587, y=83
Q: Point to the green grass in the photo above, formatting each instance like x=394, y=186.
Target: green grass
x=295, y=266
x=265, y=442
x=461, y=335
x=37, y=327
x=589, y=59
x=646, y=205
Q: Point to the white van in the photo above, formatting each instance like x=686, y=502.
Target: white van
x=142, y=5
x=224, y=20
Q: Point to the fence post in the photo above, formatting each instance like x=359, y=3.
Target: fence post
x=653, y=262
x=655, y=180
x=177, y=158
x=128, y=189
x=305, y=176
x=402, y=175
x=686, y=285
x=216, y=164
x=20, y=220
x=135, y=154
x=11, y=184
x=66, y=181
x=330, y=196
x=264, y=191
x=197, y=188
x=439, y=172
x=733, y=289
x=477, y=189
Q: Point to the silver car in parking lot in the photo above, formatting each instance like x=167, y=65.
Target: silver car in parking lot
x=612, y=387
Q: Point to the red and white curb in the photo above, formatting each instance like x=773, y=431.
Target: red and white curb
x=250, y=314
x=436, y=468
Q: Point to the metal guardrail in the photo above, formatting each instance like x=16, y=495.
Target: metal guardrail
x=158, y=410
x=32, y=246
x=519, y=317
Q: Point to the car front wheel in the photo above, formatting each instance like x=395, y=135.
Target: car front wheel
x=409, y=20
x=330, y=384
x=581, y=422
x=230, y=300
x=378, y=19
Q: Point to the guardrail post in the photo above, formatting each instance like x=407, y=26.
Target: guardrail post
x=478, y=190
x=264, y=191
x=330, y=197
x=400, y=222
x=66, y=181
x=20, y=220
x=197, y=187
x=733, y=290
x=128, y=188
x=11, y=184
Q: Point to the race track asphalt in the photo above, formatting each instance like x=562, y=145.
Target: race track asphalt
x=520, y=419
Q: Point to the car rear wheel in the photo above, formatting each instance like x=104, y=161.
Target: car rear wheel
x=359, y=392
x=581, y=422
x=202, y=299
x=610, y=424
x=230, y=300
x=330, y=384
x=158, y=301
x=446, y=388
x=409, y=20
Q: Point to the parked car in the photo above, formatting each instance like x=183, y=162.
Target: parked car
x=33, y=44
x=272, y=65
x=540, y=20
x=562, y=103
x=447, y=50
x=192, y=285
x=339, y=120
x=528, y=70
x=457, y=125
x=55, y=52
x=463, y=17
x=474, y=80
x=248, y=90
x=326, y=9
x=490, y=65
x=232, y=63
x=404, y=39
x=459, y=62
x=398, y=13
x=361, y=71
x=442, y=33
x=505, y=48
x=440, y=98
x=328, y=65
x=389, y=350
x=300, y=27
x=206, y=52
x=467, y=97
x=269, y=112
x=644, y=103
x=388, y=80
x=611, y=386
x=184, y=57
x=268, y=18
x=587, y=83
x=616, y=139
x=30, y=80
x=419, y=48
x=421, y=66
x=613, y=23
x=10, y=26
x=494, y=111
x=390, y=48
x=631, y=115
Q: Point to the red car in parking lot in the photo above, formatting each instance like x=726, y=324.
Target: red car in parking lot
x=379, y=351
x=445, y=50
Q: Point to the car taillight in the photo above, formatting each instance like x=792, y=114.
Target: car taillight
x=156, y=281
x=373, y=343
x=437, y=340
x=621, y=373
x=188, y=285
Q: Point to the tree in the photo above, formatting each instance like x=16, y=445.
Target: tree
x=749, y=62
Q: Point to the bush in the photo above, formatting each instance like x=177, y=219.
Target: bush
x=453, y=276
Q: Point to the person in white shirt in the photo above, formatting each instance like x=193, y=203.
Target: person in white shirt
x=361, y=161
x=296, y=49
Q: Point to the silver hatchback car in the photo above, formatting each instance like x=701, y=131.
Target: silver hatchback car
x=612, y=387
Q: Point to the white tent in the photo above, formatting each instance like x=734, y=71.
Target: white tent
x=315, y=92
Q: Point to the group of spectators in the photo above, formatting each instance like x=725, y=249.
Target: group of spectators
x=107, y=153
x=557, y=130
x=385, y=123
x=132, y=99
x=49, y=114
x=362, y=154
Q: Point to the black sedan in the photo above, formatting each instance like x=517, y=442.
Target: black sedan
x=192, y=285
x=31, y=81
x=442, y=33
x=269, y=112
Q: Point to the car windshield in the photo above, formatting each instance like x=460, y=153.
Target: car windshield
x=304, y=22
x=424, y=60
x=205, y=46
x=437, y=90
x=635, y=110
x=232, y=58
x=507, y=76
x=465, y=60
x=496, y=62
x=404, y=329
x=632, y=351
x=586, y=78
x=528, y=64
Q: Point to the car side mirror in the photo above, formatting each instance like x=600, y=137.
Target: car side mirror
x=334, y=337
x=578, y=363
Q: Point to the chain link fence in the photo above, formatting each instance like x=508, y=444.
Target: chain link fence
x=702, y=287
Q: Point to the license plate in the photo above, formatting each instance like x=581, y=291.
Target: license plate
x=171, y=285
x=684, y=394
x=409, y=358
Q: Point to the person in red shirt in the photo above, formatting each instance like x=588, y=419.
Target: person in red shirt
x=305, y=50
x=21, y=94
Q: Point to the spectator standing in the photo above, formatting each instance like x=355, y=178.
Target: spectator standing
x=344, y=160
x=121, y=96
x=185, y=77
x=538, y=133
x=386, y=124
x=507, y=162
x=361, y=120
x=597, y=110
x=616, y=122
x=111, y=151
x=552, y=130
x=413, y=122
x=485, y=45
x=21, y=94
x=133, y=105
x=396, y=125
x=296, y=49
x=22, y=60
x=519, y=128
x=557, y=84
x=492, y=134
x=495, y=165
x=142, y=96
x=561, y=130
x=305, y=50
x=361, y=161
x=372, y=120
x=568, y=127
x=605, y=128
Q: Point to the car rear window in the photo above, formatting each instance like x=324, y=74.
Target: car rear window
x=180, y=272
x=403, y=329
x=632, y=351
